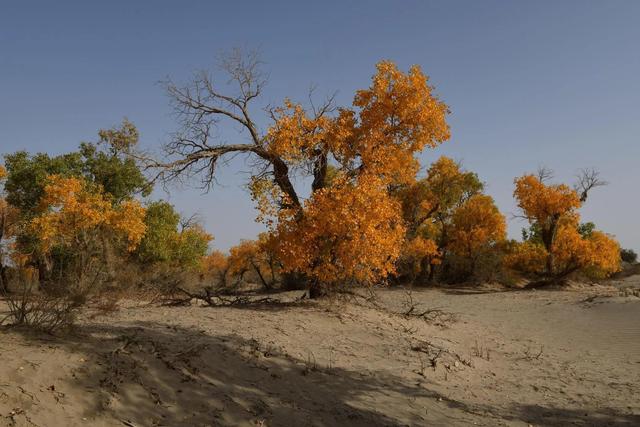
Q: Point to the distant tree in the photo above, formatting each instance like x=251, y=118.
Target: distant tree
x=168, y=241
x=77, y=223
x=629, y=255
x=215, y=267
x=162, y=223
x=256, y=257
x=477, y=226
x=105, y=164
x=558, y=245
x=437, y=212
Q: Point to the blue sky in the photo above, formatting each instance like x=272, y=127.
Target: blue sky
x=528, y=83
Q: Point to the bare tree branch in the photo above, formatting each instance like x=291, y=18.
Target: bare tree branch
x=588, y=179
x=200, y=107
x=544, y=173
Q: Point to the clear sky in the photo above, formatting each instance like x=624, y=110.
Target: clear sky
x=553, y=83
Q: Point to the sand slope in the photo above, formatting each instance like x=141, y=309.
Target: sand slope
x=511, y=358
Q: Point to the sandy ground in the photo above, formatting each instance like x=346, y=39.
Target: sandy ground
x=551, y=357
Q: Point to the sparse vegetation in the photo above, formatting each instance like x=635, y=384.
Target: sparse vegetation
x=75, y=221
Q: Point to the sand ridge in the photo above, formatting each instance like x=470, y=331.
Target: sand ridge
x=508, y=358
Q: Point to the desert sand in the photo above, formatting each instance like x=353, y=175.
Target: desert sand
x=491, y=357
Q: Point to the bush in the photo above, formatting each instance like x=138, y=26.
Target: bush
x=628, y=255
x=30, y=307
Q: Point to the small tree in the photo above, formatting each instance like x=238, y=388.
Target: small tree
x=170, y=240
x=78, y=224
x=258, y=258
x=563, y=246
x=216, y=267
x=104, y=165
x=446, y=215
x=477, y=227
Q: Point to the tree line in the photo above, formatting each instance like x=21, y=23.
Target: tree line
x=75, y=224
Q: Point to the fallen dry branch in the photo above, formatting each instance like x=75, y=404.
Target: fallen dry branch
x=436, y=316
x=436, y=353
x=216, y=299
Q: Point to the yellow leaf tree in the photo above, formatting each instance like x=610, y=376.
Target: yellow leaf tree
x=477, y=226
x=429, y=207
x=215, y=267
x=256, y=257
x=556, y=248
x=77, y=220
x=349, y=228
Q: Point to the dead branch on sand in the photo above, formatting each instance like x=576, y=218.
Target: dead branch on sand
x=436, y=316
x=217, y=299
x=435, y=353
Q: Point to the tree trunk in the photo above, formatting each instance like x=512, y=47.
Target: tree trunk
x=266, y=285
x=317, y=290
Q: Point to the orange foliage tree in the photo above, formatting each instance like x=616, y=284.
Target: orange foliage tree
x=76, y=220
x=557, y=248
x=351, y=230
x=256, y=257
x=477, y=226
x=446, y=213
x=215, y=267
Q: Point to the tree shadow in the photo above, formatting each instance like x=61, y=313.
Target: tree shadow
x=156, y=374
x=554, y=416
x=148, y=373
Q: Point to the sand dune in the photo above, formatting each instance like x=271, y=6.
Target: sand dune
x=551, y=357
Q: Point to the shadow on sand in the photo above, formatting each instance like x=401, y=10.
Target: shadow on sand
x=148, y=373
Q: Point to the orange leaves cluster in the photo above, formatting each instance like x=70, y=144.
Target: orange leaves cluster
x=418, y=252
x=243, y=256
x=294, y=134
x=541, y=202
x=446, y=213
x=398, y=117
x=395, y=118
x=604, y=255
x=448, y=185
x=597, y=254
x=348, y=232
x=71, y=209
x=420, y=248
x=476, y=224
x=216, y=264
x=561, y=249
x=526, y=257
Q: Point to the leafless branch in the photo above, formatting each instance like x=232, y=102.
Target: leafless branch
x=544, y=173
x=190, y=221
x=588, y=179
x=200, y=107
